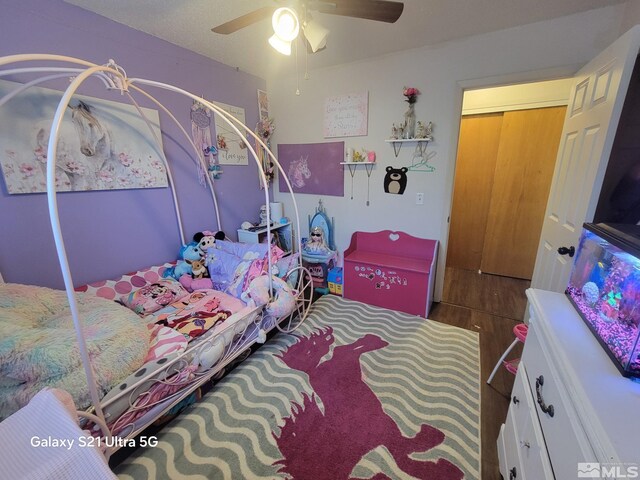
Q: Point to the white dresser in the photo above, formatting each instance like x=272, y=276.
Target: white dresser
x=569, y=404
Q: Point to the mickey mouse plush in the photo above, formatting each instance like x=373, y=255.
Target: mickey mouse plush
x=207, y=239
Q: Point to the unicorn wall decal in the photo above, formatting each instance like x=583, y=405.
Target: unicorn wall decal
x=299, y=172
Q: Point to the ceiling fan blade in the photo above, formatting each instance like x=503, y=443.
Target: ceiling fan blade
x=379, y=10
x=244, y=21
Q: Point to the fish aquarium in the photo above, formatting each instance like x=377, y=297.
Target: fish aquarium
x=605, y=289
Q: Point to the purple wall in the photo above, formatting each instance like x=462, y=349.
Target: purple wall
x=112, y=232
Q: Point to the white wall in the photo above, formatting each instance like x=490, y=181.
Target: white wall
x=544, y=50
x=631, y=15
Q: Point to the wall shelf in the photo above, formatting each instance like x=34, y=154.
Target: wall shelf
x=398, y=142
x=368, y=166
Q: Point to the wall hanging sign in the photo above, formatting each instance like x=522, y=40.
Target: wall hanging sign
x=313, y=168
x=395, y=180
x=103, y=145
x=346, y=115
x=231, y=148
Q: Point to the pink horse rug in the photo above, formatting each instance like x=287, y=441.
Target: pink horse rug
x=357, y=392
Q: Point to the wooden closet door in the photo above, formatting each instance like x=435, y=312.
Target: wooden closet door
x=524, y=168
x=475, y=164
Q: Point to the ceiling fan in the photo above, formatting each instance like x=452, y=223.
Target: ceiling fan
x=291, y=18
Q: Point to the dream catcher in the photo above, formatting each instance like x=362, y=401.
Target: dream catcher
x=201, y=135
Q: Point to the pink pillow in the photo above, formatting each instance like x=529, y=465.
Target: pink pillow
x=154, y=296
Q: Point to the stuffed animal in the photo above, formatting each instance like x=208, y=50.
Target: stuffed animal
x=283, y=301
x=207, y=239
x=191, y=284
x=198, y=270
x=190, y=252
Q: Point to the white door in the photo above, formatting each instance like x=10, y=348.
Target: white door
x=587, y=137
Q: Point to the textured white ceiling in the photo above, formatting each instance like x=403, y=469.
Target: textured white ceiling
x=188, y=23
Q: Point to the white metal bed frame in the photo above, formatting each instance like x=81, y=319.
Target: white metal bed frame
x=243, y=328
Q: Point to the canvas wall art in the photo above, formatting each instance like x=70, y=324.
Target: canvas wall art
x=263, y=104
x=103, y=145
x=313, y=168
x=231, y=148
x=346, y=115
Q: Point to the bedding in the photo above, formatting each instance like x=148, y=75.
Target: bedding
x=227, y=271
x=196, y=313
x=164, y=341
x=153, y=296
x=38, y=346
x=232, y=266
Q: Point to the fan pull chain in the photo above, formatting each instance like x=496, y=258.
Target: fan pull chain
x=306, y=64
x=297, y=72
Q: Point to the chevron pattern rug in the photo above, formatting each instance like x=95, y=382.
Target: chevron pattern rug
x=357, y=392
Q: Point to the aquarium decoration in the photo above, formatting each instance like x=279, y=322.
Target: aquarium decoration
x=605, y=289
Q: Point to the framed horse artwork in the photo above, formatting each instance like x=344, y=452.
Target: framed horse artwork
x=313, y=168
x=102, y=145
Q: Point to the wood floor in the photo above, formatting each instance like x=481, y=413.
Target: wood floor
x=490, y=305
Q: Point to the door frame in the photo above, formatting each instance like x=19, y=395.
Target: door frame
x=473, y=84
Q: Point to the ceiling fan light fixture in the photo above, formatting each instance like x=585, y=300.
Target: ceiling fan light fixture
x=281, y=46
x=315, y=34
x=285, y=24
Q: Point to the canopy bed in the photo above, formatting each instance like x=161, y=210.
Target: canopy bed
x=173, y=337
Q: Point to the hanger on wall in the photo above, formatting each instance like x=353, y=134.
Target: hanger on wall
x=420, y=159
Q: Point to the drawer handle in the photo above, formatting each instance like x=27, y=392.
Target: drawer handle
x=543, y=406
x=515, y=400
x=513, y=474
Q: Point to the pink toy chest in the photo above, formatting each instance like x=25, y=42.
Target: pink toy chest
x=392, y=270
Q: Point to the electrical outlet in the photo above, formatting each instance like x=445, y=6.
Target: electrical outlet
x=419, y=198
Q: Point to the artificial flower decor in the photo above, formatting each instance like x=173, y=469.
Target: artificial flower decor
x=359, y=157
x=265, y=128
x=412, y=94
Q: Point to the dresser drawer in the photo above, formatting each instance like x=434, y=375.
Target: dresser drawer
x=534, y=459
x=511, y=453
x=525, y=454
x=521, y=403
x=565, y=440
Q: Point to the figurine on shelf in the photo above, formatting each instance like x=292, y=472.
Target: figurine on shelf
x=424, y=131
x=394, y=132
x=428, y=131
